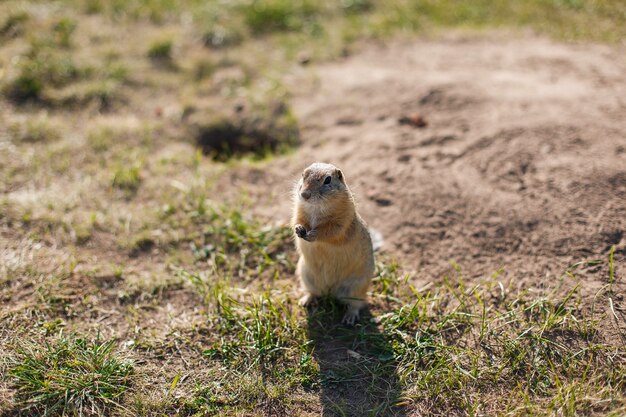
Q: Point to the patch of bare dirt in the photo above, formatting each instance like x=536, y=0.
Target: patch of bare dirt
x=521, y=163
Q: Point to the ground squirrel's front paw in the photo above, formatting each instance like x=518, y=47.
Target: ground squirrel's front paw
x=351, y=317
x=300, y=231
x=311, y=235
x=307, y=300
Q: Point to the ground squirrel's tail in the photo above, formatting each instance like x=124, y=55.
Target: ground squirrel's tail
x=377, y=239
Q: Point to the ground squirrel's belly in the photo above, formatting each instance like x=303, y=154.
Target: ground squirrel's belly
x=329, y=265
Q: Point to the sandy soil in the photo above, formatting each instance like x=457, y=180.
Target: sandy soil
x=522, y=164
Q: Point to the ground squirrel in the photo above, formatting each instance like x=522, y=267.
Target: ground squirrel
x=336, y=254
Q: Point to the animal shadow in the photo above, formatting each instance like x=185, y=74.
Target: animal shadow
x=357, y=366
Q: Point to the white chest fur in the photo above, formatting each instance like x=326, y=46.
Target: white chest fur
x=315, y=214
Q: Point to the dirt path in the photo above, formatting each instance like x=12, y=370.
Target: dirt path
x=522, y=164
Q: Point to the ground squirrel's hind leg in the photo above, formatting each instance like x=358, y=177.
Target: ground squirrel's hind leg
x=307, y=300
x=353, y=312
x=353, y=293
x=311, y=293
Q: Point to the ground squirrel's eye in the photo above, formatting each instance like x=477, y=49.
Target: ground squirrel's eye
x=327, y=180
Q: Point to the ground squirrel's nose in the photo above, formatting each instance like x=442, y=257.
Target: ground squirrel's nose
x=306, y=194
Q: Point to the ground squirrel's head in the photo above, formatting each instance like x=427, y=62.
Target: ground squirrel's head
x=320, y=182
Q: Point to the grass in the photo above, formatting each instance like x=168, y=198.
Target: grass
x=70, y=376
x=13, y=24
x=445, y=348
x=37, y=129
x=575, y=19
x=63, y=31
x=243, y=247
x=161, y=51
x=39, y=69
x=266, y=16
x=113, y=220
x=127, y=178
x=48, y=70
x=452, y=346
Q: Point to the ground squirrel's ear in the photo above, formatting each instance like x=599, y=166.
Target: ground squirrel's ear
x=339, y=174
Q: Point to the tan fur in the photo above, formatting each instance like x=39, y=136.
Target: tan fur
x=339, y=261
